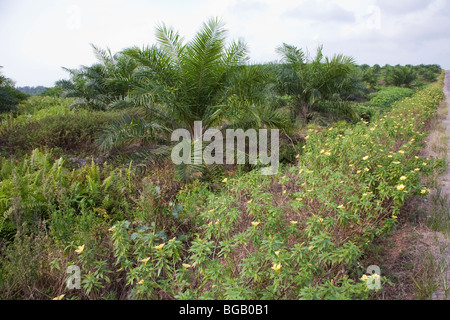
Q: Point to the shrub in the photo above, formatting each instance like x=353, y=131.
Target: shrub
x=48, y=122
x=385, y=98
x=9, y=96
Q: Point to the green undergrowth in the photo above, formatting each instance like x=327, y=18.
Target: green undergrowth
x=300, y=234
x=48, y=122
x=382, y=101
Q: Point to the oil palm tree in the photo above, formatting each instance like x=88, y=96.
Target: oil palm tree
x=104, y=85
x=400, y=76
x=312, y=81
x=204, y=79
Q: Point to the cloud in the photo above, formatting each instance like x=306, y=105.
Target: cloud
x=324, y=11
x=248, y=7
x=399, y=7
x=419, y=25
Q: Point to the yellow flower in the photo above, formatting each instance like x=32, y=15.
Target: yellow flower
x=160, y=246
x=299, y=199
x=59, y=297
x=396, y=162
x=294, y=222
x=394, y=217
x=423, y=191
x=320, y=220
x=376, y=276
x=322, y=151
x=417, y=169
x=389, y=156
x=364, y=278
x=277, y=267
x=366, y=158
x=341, y=206
x=403, y=178
x=367, y=169
x=358, y=172
x=80, y=249
x=277, y=253
x=424, y=164
x=328, y=153
x=187, y=266
x=141, y=282
x=249, y=201
x=401, y=151
x=211, y=211
x=112, y=228
x=225, y=180
x=401, y=187
x=144, y=260
x=255, y=224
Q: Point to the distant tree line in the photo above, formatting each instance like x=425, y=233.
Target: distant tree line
x=32, y=91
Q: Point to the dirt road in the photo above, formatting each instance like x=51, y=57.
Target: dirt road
x=446, y=122
x=442, y=249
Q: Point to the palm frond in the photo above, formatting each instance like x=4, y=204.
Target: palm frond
x=104, y=56
x=172, y=43
x=129, y=130
x=291, y=54
x=236, y=54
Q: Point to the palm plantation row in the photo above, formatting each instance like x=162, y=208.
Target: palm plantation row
x=210, y=80
x=206, y=79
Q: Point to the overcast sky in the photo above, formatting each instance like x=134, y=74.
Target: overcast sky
x=39, y=37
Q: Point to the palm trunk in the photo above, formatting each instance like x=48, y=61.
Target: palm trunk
x=303, y=111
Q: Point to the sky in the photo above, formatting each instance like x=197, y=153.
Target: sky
x=38, y=38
